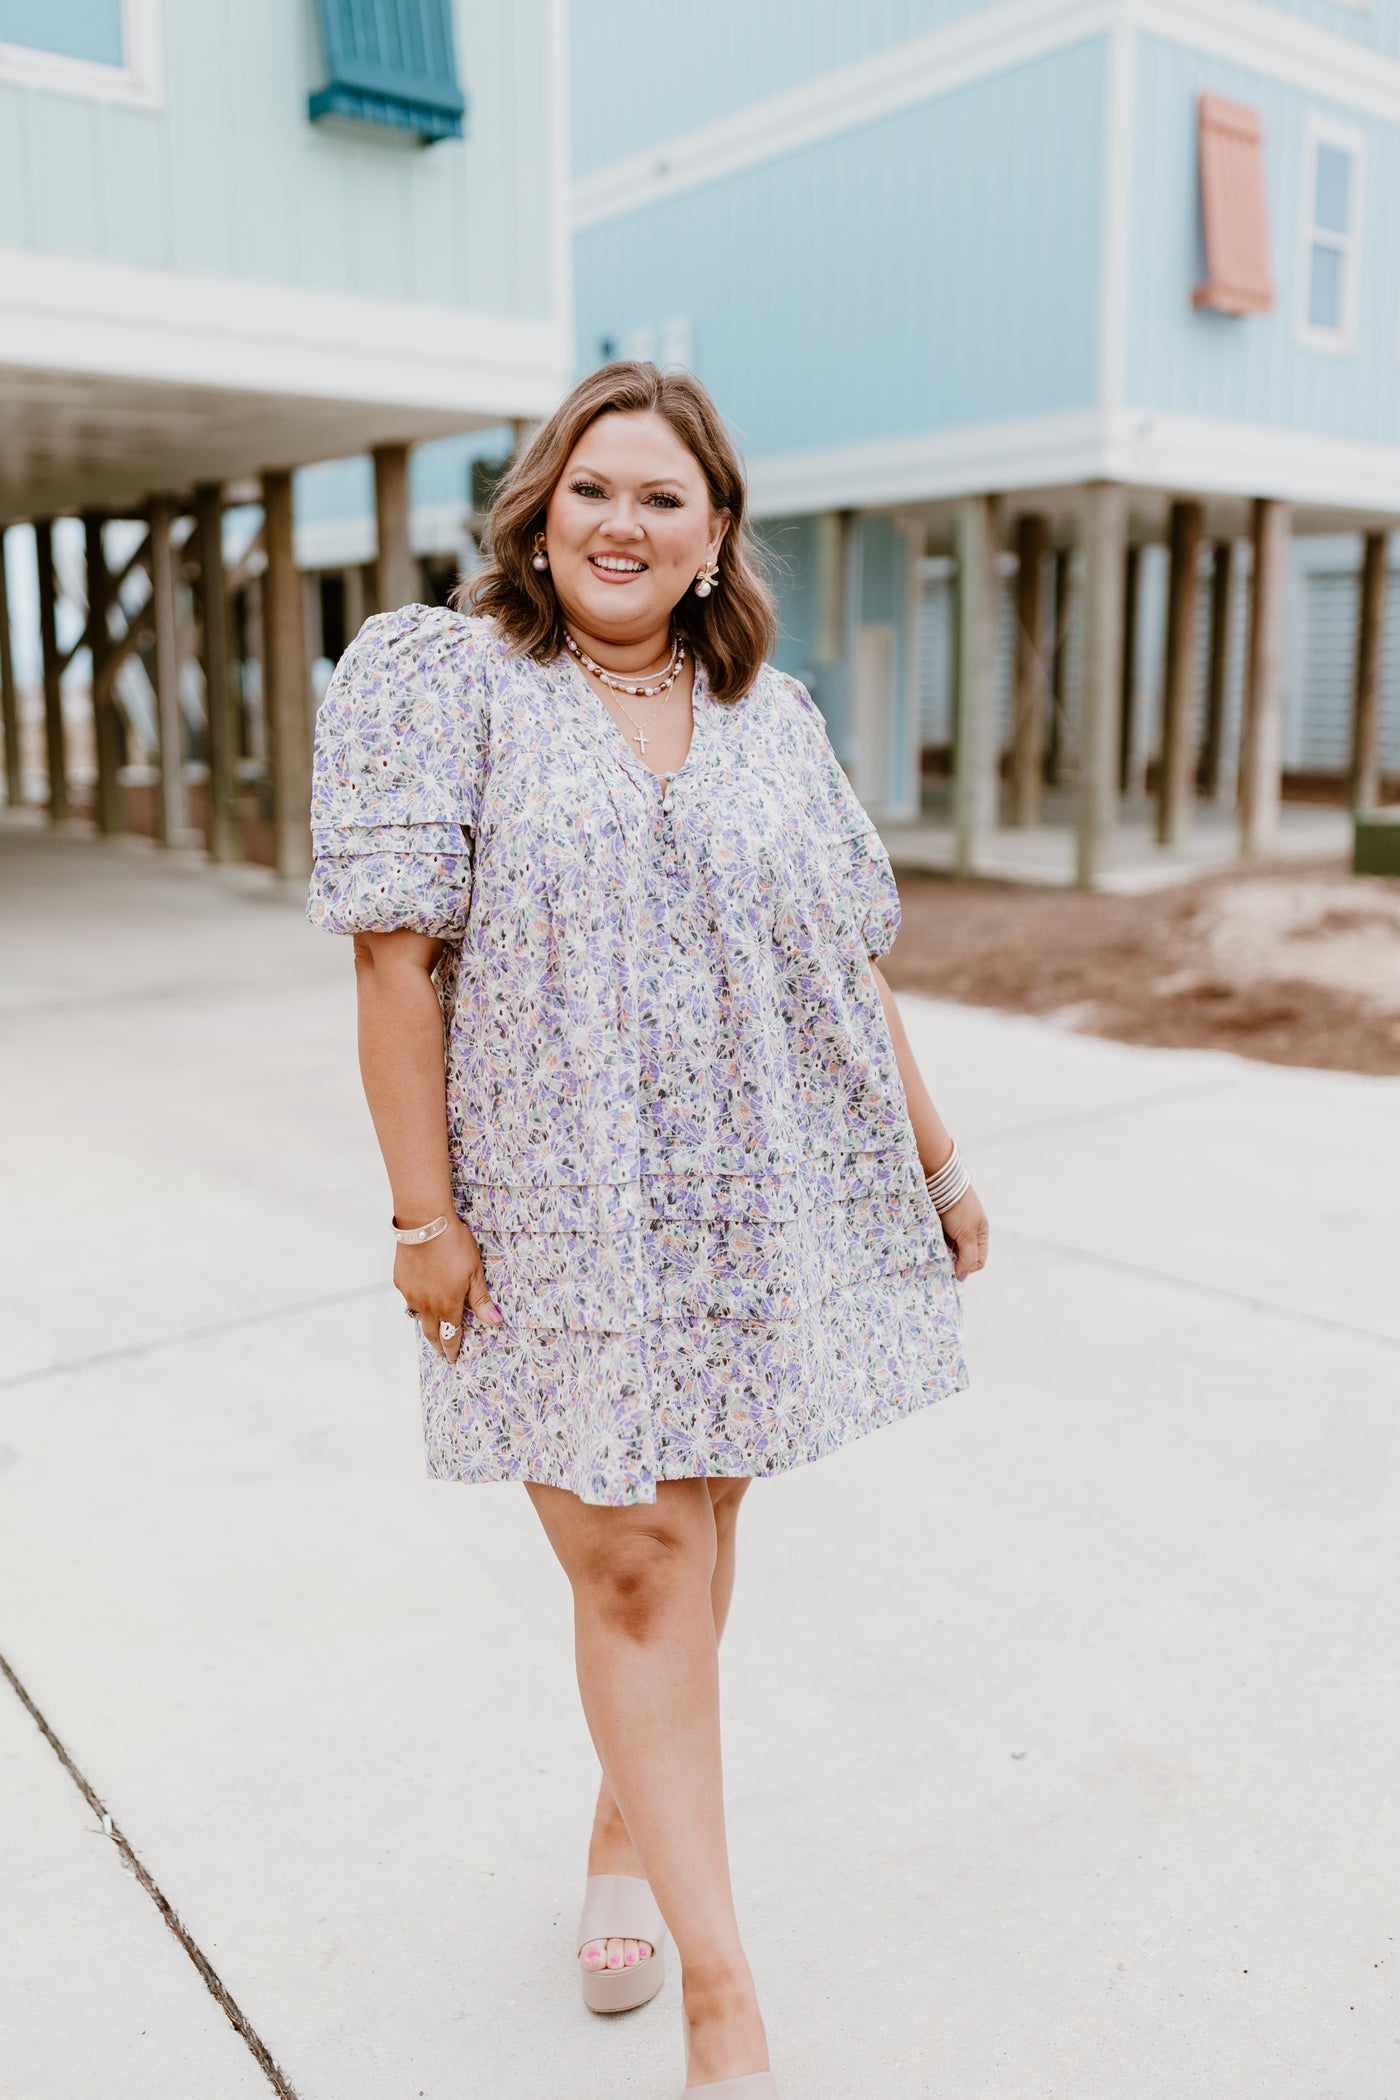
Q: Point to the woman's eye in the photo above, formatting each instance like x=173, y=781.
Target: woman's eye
x=586, y=488
x=666, y=502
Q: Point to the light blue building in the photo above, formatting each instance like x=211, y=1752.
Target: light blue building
x=1005, y=297
x=238, y=237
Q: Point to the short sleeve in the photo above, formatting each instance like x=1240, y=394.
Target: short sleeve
x=397, y=776
x=842, y=822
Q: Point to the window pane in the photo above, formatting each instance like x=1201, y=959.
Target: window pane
x=1325, y=288
x=1333, y=190
x=70, y=28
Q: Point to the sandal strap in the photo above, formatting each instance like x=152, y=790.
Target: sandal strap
x=620, y=1907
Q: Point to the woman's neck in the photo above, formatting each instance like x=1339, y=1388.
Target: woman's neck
x=627, y=657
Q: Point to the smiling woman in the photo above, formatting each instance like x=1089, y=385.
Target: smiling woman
x=677, y=1213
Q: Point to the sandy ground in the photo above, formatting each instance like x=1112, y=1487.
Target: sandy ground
x=1294, y=965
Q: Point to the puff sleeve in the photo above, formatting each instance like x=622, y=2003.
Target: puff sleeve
x=397, y=776
x=847, y=837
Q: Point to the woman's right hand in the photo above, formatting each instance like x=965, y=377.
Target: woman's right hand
x=442, y=1280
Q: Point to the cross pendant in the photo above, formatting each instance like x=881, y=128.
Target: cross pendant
x=640, y=740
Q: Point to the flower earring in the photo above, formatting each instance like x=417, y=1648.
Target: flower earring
x=539, y=559
x=707, y=579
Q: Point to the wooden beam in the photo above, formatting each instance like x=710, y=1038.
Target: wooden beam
x=1105, y=532
x=1032, y=671
x=140, y=634
x=53, y=698
x=171, y=820
x=107, y=730
x=1222, y=579
x=1364, y=773
x=286, y=683
x=250, y=563
x=224, y=836
x=1177, y=769
x=396, y=579
x=974, y=739
x=1261, y=732
x=9, y=693
x=1127, y=693
x=1058, y=742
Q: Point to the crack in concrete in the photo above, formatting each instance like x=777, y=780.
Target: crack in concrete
x=130, y=1350
x=213, y=1982
x=1196, y=1289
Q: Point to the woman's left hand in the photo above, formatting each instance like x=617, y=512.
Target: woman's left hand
x=965, y=1229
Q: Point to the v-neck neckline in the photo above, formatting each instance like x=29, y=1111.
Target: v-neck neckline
x=699, y=715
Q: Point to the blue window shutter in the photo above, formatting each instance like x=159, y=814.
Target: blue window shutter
x=391, y=62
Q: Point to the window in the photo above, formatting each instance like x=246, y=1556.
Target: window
x=1331, y=228
x=108, y=50
x=391, y=62
x=1234, y=209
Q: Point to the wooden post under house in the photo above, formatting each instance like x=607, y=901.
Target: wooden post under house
x=224, y=833
x=974, y=745
x=171, y=823
x=1364, y=770
x=286, y=683
x=1057, y=743
x=108, y=735
x=1127, y=697
x=1178, y=759
x=1105, y=531
x=396, y=580
x=54, y=741
x=9, y=693
x=1032, y=685
x=1210, y=765
x=1261, y=732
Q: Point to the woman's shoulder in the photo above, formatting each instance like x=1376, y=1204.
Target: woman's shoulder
x=419, y=646
x=784, y=702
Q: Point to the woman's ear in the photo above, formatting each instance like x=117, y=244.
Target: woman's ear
x=718, y=530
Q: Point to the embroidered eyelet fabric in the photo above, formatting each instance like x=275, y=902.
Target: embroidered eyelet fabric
x=676, y=1123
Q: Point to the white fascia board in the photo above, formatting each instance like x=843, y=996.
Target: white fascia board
x=1326, y=64
x=108, y=320
x=920, y=69
x=1190, y=455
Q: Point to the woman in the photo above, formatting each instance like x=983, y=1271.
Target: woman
x=672, y=1221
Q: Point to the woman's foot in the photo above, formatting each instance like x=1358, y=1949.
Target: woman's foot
x=610, y=1852
x=724, y=2035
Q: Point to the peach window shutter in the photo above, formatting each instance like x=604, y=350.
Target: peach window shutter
x=1234, y=209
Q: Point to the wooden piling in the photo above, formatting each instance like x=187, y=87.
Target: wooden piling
x=1127, y=701
x=286, y=683
x=1177, y=766
x=9, y=694
x=224, y=835
x=108, y=735
x=171, y=822
x=1261, y=734
x=1105, y=528
x=54, y=742
x=1364, y=771
x=974, y=749
x=1222, y=577
x=1057, y=744
x=396, y=580
x=1032, y=681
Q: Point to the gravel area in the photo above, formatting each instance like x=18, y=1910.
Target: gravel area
x=1293, y=964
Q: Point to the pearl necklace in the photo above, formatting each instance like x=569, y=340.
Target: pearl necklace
x=638, y=688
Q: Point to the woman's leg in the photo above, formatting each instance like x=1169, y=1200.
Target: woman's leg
x=648, y=1674
x=610, y=1849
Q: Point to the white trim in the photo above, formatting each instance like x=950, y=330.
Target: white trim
x=139, y=81
x=920, y=69
x=118, y=322
x=1322, y=131
x=1325, y=63
x=349, y=542
x=1115, y=262
x=1134, y=446
x=1250, y=33
x=561, y=185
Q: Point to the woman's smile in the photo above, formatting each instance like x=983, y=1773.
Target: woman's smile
x=617, y=568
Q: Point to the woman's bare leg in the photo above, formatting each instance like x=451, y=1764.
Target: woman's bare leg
x=610, y=1849
x=648, y=1672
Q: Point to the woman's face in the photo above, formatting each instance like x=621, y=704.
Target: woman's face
x=628, y=526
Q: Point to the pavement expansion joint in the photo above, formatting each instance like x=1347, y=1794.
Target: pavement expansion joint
x=1193, y=1286
x=129, y=1351
x=213, y=1982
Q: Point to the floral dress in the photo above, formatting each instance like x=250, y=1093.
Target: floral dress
x=676, y=1124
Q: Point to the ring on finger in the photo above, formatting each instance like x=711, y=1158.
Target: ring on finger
x=447, y=1330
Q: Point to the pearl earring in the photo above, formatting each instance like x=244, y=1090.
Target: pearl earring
x=539, y=559
x=707, y=579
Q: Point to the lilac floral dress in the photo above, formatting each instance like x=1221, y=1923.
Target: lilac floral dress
x=676, y=1124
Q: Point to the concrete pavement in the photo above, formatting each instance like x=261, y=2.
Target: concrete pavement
x=1061, y=1721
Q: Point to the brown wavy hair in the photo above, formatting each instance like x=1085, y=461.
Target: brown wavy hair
x=731, y=632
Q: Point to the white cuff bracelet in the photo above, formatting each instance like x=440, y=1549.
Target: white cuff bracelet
x=950, y=1184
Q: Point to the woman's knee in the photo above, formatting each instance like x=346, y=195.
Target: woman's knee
x=639, y=1578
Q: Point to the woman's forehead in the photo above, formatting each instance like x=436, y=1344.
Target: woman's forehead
x=635, y=445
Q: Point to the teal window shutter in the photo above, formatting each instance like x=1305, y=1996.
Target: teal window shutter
x=391, y=62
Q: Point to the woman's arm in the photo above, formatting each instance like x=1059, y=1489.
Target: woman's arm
x=401, y=1064
x=965, y=1224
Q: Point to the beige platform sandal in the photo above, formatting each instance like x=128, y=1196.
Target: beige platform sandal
x=622, y=1907
x=758, y=2085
